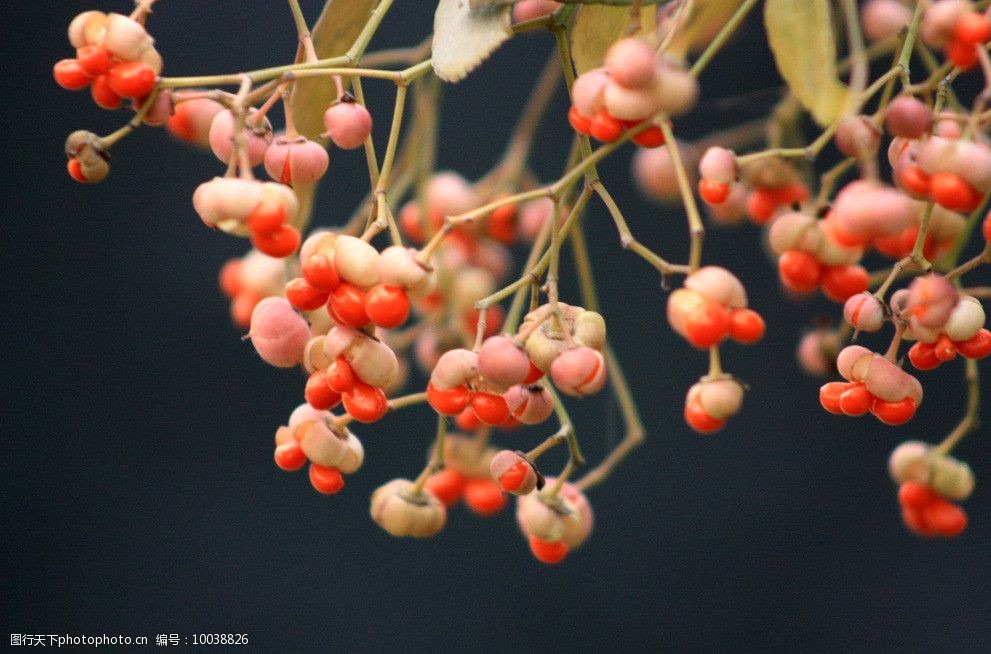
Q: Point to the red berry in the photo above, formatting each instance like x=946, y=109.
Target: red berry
x=449, y=401
x=713, y=192
x=289, y=457
x=830, y=394
x=534, y=375
x=915, y=179
x=548, y=552
x=93, y=59
x=951, y=191
x=490, y=408
x=483, y=496
x=894, y=413
x=914, y=495
x=856, y=400
x=972, y=28
x=746, y=326
x=842, y=282
x=320, y=272
x=976, y=347
x=76, y=170
x=303, y=296
x=581, y=124
x=513, y=478
x=347, y=305
x=365, y=403
x=760, y=205
x=799, y=271
x=605, y=128
x=387, y=306
x=326, y=480
x=340, y=375
x=230, y=278
x=944, y=349
x=447, y=485
x=267, y=217
x=699, y=420
x=945, y=518
x=131, y=79
x=318, y=394
x=103, y=95
x=70, y=75
x=923, y=356
x=281, y=243
x=707, y=324
x=501, y=224
x=650, y=138
x=963, y=55
x=468, y=420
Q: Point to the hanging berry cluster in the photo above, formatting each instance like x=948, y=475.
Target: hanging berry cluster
x=424, y=272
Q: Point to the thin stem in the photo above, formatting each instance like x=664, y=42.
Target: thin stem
x=436, y=461
x=370, y=158
x=305, y=38
x=972, y=417
x=967, y=266
x=696, y=230
x=552, y=441
x=720, y=39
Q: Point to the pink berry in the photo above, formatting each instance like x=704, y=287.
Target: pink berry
x=348, y=124
x=258, y=137
x=502, y=362
x=531, y=405
x=882, y=19
x=908, y=117
x=579, y=372
x=297, y=163
x=588, y=91
x=864, y=312
x=630, y=62
x=856, y=136
x=278, y=333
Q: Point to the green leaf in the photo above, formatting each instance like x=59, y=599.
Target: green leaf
x=338, y=26
x=465, y=37
x=801, y=37
x=599, y=26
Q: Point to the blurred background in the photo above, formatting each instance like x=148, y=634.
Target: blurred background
x=139, y=493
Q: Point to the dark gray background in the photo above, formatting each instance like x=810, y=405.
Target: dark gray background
x=139, y=493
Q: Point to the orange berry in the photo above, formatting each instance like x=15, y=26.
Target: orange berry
x=605, y=128
x=707, y=324
x=501, y=224
x=242, y=306
x=760, y=205
x=468, y=420
x=76, y=170
x=580, y=123
x=230, y=278
x=70, y=75
x=279, y=244
x=915, y=179
x=103, y=95
x=289, y=457
x=131, y=79
x=267, y=217
x=650, y=138
x=894, y=413
x=318, y=394
x=951, y=191
x=446, y=485
x=699, y=420
x=799, y=271
x=746, y=326
x=490, y=408
x=365, y=403
x=93, y=59
x=387, y=306
x=962, y=54
x=839, y=283
x=545, y=552
x=340, y=375
x=976, y=347
x=303, y=296
x=972, y=28
x=856, y=400
x=713, y=192
x=347, y=305
x=483, y=496
x=448, y=401
x=830, y=394
x=944, y=349
x=326, y=480
x=923, y=356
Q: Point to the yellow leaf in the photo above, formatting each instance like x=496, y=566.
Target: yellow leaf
x=338, y=26
x=465, y=37
x=801, y=37
x=599, y=26
x=695, y=23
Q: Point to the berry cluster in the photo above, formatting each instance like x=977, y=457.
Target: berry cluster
x=874, y=385
x=331, y=454
x=554, y=527
x=262, y=210
x=115, y=57
x=632, y=86
x=929, y=484
x=466, y=477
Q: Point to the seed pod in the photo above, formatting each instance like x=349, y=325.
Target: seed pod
x=950, y=478
x=513, y=473
x=910, y=462
x=401, y=513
